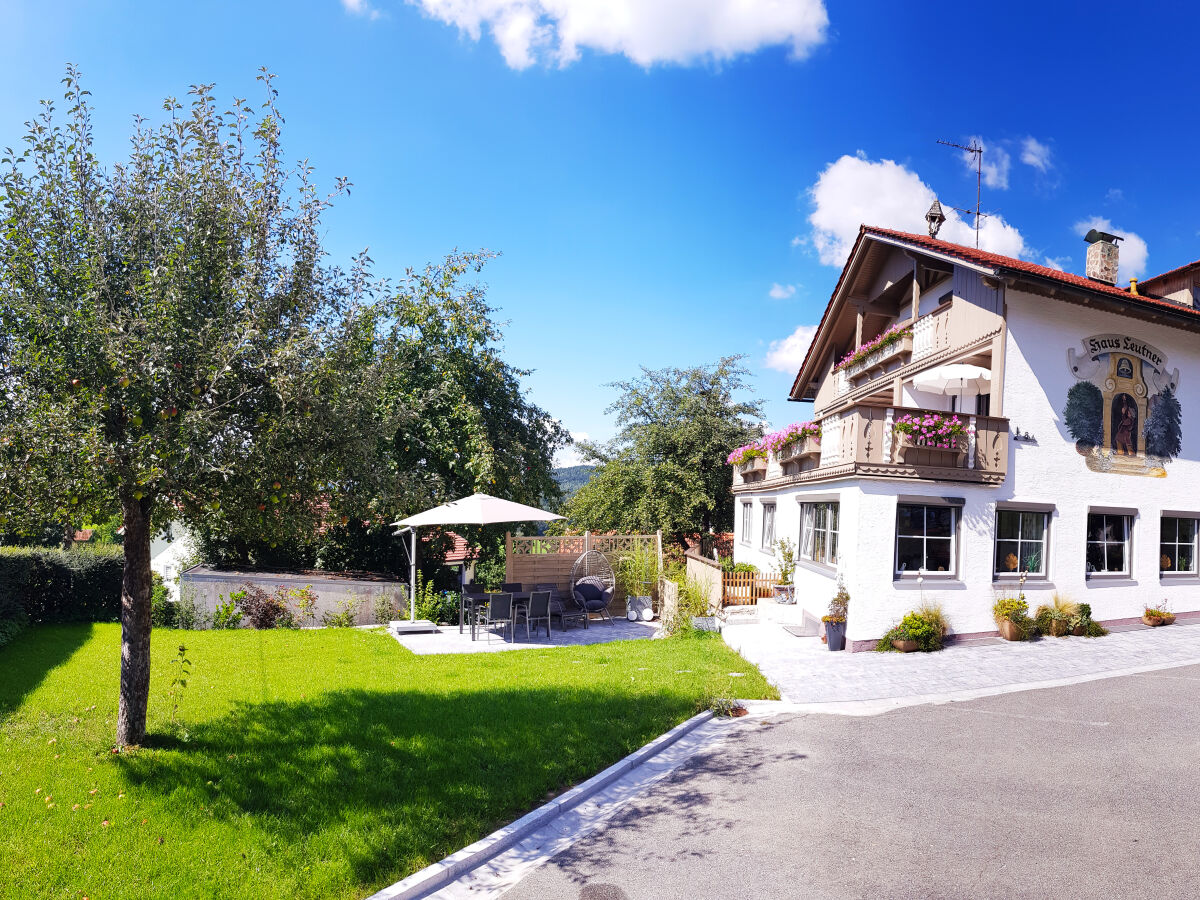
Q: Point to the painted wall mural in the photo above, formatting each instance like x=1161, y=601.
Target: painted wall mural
x=1122, y=410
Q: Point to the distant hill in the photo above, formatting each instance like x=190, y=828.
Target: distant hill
x=572, y=478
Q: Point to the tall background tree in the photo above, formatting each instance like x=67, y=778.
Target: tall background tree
x=666, y=466
x=174, y=345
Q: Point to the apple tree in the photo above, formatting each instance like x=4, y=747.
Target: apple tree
x=174, y=343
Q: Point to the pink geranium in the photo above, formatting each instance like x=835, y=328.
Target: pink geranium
x=893, y=335
x=778, y=441
x=928, y=429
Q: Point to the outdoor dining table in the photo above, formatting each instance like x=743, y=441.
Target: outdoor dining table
x=520, y=600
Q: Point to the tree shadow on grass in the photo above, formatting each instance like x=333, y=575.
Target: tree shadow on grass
x=25, y=663
x=409, y=775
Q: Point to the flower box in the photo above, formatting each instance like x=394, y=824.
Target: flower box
x=884, y=354
x=809, y=445
x=753, y=466
x=947, y=454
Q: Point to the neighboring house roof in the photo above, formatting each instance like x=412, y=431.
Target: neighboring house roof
x=997, y=263
x=462, y=550
x=83, y=535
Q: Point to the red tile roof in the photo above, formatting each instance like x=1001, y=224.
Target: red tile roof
x=994, y=261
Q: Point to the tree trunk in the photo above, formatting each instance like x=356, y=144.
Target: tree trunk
x=135, y=624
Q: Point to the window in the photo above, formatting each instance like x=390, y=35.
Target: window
x=1107, y=544
x=819, y=532
x=983, y=404
x=925, y=538
x=768, y=529
x=747, y=522
x=1177, y=545
x=1020, y=542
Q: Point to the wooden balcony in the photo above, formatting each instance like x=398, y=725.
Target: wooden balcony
x=860, y=442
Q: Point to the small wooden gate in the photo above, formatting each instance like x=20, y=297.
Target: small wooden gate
x=745, y=588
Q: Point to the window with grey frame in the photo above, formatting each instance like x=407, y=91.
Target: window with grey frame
x=1108, y=544
x=747, y=522
x=1020, y=542
x=768, y=526
x=819, y=532
x=926, y=538
x=1177, y=545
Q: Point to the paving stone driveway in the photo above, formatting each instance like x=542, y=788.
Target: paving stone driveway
x=806, y=672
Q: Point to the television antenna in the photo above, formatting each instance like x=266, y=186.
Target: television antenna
x=976, y=149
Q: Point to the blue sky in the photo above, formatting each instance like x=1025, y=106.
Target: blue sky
x=655, y=170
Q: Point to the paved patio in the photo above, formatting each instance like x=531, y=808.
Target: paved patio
x=806, y=672
x=447, y=639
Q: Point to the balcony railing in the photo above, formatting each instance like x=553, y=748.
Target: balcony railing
x=861, y=441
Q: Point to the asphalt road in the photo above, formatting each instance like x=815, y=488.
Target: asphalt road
x=1084, y=791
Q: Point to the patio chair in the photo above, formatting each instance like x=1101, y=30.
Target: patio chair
x=512, y=587
x=498, y=611
x=537, y=611
x=594, y=597
x=561, y=605
x=594, y=584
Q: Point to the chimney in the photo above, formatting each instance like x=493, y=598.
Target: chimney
x=1102, y=256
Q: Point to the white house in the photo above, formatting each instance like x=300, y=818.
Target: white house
x=1098, y=501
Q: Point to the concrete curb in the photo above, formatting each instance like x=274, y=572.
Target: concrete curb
x=454, y=866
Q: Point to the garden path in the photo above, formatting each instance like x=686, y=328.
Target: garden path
x=806, y=673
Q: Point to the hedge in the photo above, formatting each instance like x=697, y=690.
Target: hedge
x=41, y=585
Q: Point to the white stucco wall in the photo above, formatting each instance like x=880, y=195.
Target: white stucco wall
x=1047, y=471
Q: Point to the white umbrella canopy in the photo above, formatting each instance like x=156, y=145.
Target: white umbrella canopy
x=478, y=509
x=956, y=377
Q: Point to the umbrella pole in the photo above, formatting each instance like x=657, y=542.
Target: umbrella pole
x=412, y=589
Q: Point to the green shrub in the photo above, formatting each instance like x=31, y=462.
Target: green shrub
x=1016, y=610
x=926, y=626
x=346, y=615
x=262, y=609
x=227, y=614
x=162, y=610
x=51, y=585
x=187, y=614
x=10, y=628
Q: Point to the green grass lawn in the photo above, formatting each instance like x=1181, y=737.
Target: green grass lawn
x=324, y=763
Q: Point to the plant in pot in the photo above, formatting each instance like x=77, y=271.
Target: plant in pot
x=785, y=552
x=835, y=621
x=1012, y=618
x=1054, y=618
x=639, y=573
x=1082, y=624
x=1155, y=616
x=923, y=629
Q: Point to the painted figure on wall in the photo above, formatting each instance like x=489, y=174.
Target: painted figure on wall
x=1122, y=411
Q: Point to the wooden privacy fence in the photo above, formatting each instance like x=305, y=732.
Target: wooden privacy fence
x=541, y=560
x=745, y=588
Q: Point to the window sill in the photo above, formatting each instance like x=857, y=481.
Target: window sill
x=1031, y=584
x=1103, y=581
x=944, y=582
x=1179, y=577
x=819, y=568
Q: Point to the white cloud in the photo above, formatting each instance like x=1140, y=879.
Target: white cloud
x=996, y=163
x=781, y=291
x=1035, y=153
x=1134, y=252
x=787, y=354
x=797, y=240
x=1057, y=262
x=854, y=191
x=1114, y=195
x=569, y=455
x=646, y=31
x=362, y=8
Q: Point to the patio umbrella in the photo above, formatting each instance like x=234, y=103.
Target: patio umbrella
x=478, y=509
x=955, y=376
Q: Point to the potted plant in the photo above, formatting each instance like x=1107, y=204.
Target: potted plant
x=1012, y=619
x=922, y=629
x=639, y=573
x=1054, y=618
x=835, y=621
x=939, y=435
x=1155, y=616
x=797, y=439
x=1082, y=624
x=785, y=552
x=749, y=459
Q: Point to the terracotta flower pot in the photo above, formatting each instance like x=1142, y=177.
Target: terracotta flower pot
x=1169, y=619
x=905, y=646
x=1009, y=631
x=1079, y=631
x=1152, y=621
x=1058, y=628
